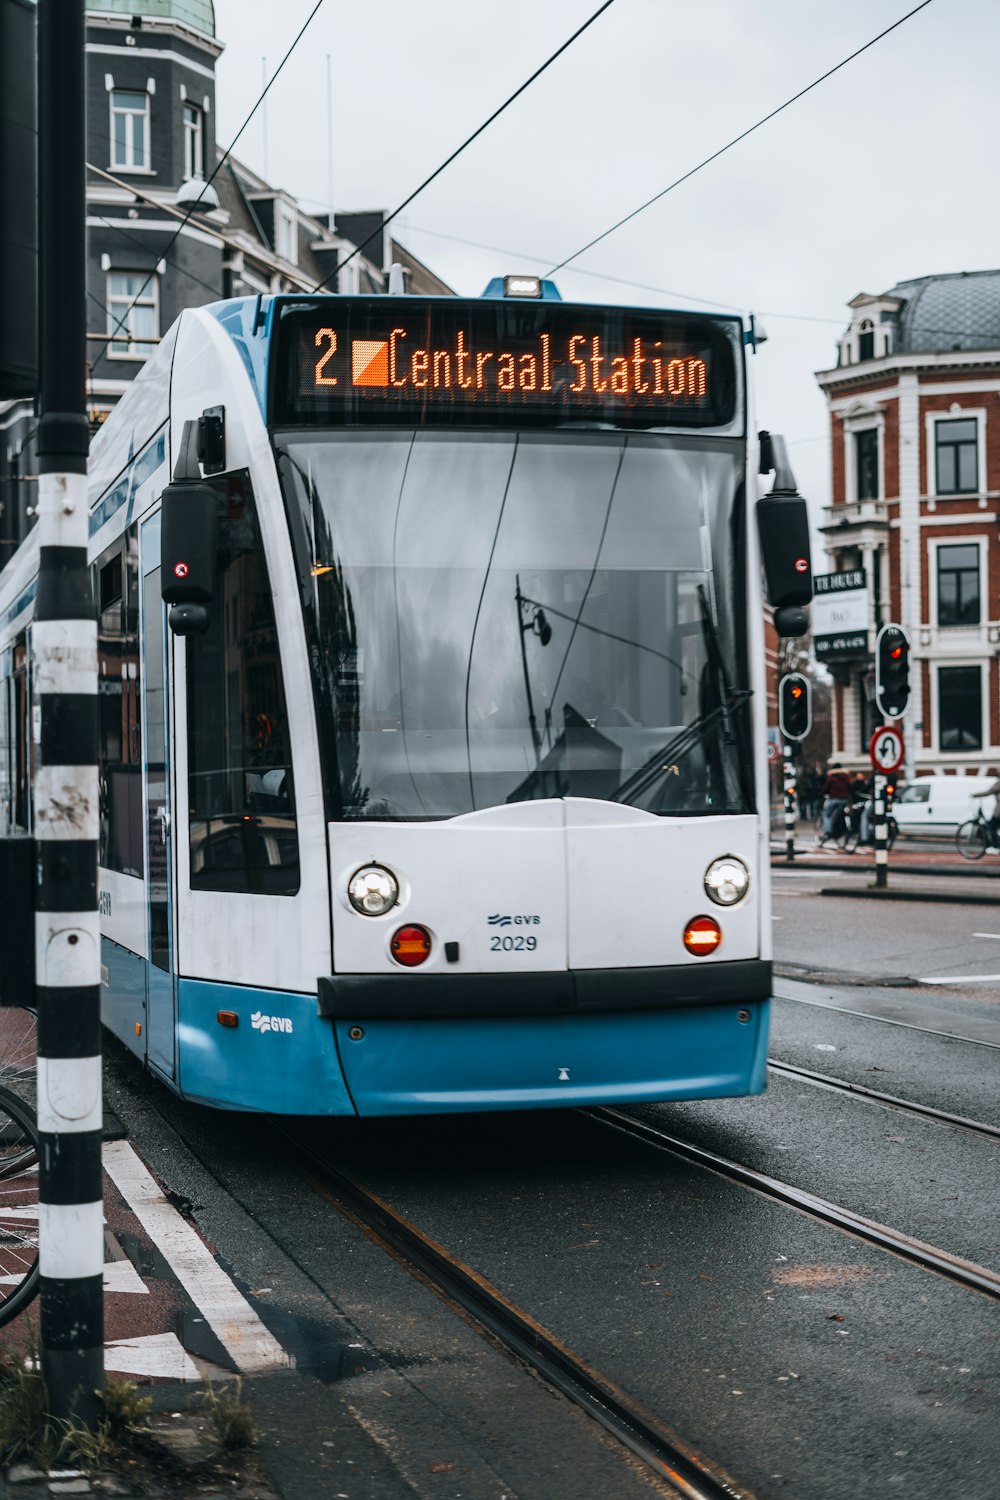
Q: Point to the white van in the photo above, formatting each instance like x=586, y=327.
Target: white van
x=935, y=806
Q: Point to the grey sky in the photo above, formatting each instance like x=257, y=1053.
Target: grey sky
x=886, y=171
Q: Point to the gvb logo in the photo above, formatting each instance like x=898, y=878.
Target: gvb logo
x=260, y=1022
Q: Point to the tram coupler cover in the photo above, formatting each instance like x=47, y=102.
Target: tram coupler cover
x=17, y=922
x=188, y=529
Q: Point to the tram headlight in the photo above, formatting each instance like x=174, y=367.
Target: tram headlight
x=373, y=890
x=727, y=880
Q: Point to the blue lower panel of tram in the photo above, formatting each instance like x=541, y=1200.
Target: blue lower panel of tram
x=283, y=1057
x=435, y=1066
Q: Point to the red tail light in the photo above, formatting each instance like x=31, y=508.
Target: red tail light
x=410, y=945
x=702, y=935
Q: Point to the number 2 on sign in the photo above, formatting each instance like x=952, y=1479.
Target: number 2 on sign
x=331, y=337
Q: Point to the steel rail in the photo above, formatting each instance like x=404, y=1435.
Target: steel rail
x=866, y=1015
x=965, y=1272
x=661, y=1449
x=890, y=1101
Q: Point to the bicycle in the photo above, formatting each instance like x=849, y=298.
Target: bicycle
x=844, y=831
x=18, y=1204
x=974, y=837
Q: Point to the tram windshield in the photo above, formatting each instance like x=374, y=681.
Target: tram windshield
x=501, y=616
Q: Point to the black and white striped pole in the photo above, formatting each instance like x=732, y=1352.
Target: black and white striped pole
x=64, y=637
x=881, y=829
x=788, y=770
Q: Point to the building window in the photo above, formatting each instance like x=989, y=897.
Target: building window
x=866, y=463
x=956, y=457
x=194, y=154
x=960, y=708
x=132, y=316
x=129, y=129
x=958, y=584
x=286, y=234
x=866, y=345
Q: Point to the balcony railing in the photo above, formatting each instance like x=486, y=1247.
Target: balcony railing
x=855, y=513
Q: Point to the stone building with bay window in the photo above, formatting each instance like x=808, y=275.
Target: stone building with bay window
x=914, y=404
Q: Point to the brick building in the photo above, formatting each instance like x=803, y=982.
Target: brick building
x=151, y=145
x=914, y=407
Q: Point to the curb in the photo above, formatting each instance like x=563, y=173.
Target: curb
x=872, y=893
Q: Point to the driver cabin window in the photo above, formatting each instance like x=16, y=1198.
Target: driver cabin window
x=241, y=793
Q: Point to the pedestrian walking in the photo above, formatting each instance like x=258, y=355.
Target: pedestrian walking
x=837, y=792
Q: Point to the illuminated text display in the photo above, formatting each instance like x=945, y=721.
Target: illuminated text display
x=492, y=363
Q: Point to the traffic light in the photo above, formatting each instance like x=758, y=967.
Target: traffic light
x=892, y=671
x=794, y=706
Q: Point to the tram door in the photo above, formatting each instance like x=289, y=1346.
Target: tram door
x=160, y=998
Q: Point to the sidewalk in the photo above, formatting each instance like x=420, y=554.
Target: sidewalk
x=926, y=860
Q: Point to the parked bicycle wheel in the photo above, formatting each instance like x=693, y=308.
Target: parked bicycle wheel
x=18, y=1052
x=892, y=830
x=970, y=840
x=18, y=1205
x=852, y=833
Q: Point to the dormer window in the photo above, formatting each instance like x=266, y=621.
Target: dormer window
x=286, y=234
x=194, y=142
x=866, y=340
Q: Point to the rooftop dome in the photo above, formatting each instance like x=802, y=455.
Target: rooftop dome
x=960, y=310
x=197, y=13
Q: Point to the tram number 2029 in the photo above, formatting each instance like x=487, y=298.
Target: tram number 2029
x=513, y=944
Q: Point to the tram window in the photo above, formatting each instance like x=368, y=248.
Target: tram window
x=242, y=798
x=22, y=751
x=118, y=717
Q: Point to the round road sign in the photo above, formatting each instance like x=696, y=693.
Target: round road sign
x=886, y=749
x=773, y=751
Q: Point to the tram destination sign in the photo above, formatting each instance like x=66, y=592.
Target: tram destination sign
x=443, y=361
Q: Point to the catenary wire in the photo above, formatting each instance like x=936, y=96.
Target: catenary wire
x=218, y=167
x=736, y=139
x=468, y=142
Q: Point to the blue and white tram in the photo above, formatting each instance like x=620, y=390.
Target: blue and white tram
x=435, y=784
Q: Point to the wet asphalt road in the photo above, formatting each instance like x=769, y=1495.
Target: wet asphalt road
x=798, y=1359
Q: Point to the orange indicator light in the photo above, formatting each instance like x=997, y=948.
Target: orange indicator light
x=227, y=1018
x=702, y=935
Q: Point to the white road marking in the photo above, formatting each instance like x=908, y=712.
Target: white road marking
x=994, y=935
x=160, y=1354
x=812, y=874
x=252, y=1347
x=964, y=979
x=122, y=1276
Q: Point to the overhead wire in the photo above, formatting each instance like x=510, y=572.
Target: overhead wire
x=218, y=167
x=741, y=137
x=468, y=142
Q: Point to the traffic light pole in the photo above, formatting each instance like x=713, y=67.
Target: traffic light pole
x=790, y=811
x=881, y=828
x=64, y=713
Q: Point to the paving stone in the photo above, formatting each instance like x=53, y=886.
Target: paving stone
x=24, y=1474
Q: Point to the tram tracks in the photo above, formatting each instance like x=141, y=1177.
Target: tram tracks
x=662, y=1450
x=917, y=1252
x=889, y=1101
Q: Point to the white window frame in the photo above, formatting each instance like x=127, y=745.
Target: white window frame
x=148, y=297
x=286, y=218
x=862, y=422
x=934, y=544
x=955, y=413
x=130, y=164
x=194, y=136
x=984, y=706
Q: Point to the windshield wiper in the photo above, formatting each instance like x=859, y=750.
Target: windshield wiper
x=664, y=760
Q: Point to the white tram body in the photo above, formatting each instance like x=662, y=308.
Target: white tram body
x=448, y=649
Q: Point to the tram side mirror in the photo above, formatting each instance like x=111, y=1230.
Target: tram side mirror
x=188, y=530
x=783, y=526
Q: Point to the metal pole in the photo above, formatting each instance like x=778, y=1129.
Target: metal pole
x=790, y=812
x=64, y=636
x=881, y=826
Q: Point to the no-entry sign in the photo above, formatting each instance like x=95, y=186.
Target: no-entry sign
x=886, y=750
